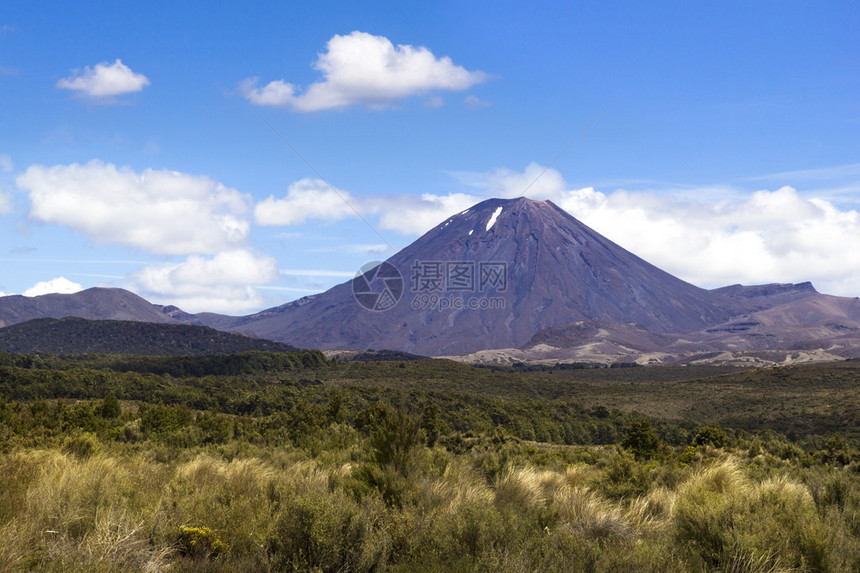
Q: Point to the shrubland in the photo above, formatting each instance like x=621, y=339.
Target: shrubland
x=291, y=462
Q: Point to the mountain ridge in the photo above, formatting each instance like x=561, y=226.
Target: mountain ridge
x=96, y=303
x=554, y=289
x=560, y=271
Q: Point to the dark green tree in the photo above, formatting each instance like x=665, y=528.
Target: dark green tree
x=109, y=408
x=642, y=440
x=395, y=435
x=710, y=435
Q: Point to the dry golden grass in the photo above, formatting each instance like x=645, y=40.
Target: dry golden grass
x=653, y=509
x=524, y=487
x=91, y=514
x=592, y=517
x=63, y=512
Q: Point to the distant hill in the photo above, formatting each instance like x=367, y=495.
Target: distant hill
x=77, y=336
x=92, y=304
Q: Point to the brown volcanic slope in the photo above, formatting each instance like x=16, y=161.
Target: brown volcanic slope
x=817, y=322
x=92, y=304
x=559, y=271
x=804, y=326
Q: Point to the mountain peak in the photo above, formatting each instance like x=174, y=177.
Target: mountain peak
x=490, y=277
x=515, y=205
x=496, y=218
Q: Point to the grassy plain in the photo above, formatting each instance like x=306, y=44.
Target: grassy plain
x=295, y=463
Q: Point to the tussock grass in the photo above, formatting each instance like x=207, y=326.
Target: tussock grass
x=654, y=509
x=118, y=510
x=460, y=485
x=526, y=487
x=82, y=514
x=592, y=517
x=727, y=521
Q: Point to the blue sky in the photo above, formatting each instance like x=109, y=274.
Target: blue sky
x=150, y=148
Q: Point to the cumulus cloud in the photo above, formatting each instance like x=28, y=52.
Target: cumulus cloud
x=305, y=199
x=709, y=236
x=60, y=285
x=435, y=101
x=410, y=215
x=362, y=69
x=158, y=211
x=6, y=164
x=722, y=238
x=534, y=181
x=223, y=283
x=475, y=101
x=104, y=81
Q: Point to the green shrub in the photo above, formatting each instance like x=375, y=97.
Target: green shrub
x=327, y=532
x=198, y=542
x=710, y=436
x=395, y=438
x=81, y=444
x=109, y=407
x=642, y=440
x=164, y=419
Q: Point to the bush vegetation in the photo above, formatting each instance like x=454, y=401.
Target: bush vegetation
x=294, y=463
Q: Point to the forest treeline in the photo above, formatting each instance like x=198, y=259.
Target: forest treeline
x=77, y=335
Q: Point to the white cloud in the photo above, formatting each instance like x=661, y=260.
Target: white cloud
x=416, y=215
x=6, y=164
x=60, y=285
x=476, y=102
x=435, y=101
x=159, y=211
x=362, y=69
x=378, y=249
x=223, y=283
x=317, y=273
x=305, y=199
x=769, y=236
x=534, y=181
x=104, y=81
x=722, y=238
x=710, y=236
x=411, y=215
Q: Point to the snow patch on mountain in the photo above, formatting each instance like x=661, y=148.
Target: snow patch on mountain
x=492, y=220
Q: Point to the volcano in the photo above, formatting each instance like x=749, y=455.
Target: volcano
x=495, y=276
x=512, y=280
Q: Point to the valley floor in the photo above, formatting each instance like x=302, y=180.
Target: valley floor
x=114, y=464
